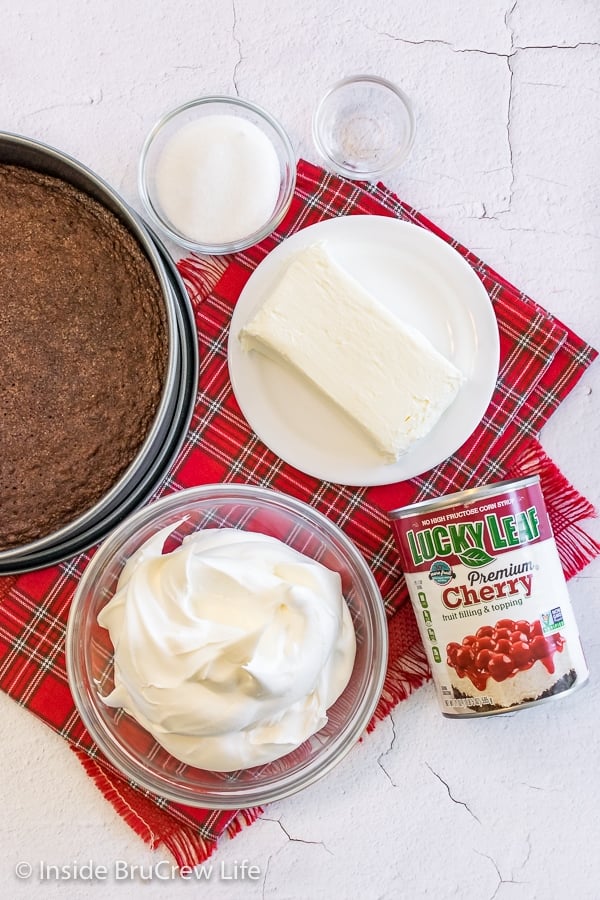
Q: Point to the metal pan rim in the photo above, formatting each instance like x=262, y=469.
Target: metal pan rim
x=156, y=473
x=54, y=162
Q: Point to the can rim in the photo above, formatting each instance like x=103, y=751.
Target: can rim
x=467, y=496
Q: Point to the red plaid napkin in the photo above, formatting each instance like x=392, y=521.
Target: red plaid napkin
x=541, y=361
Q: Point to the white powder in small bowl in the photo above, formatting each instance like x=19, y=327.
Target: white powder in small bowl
x=218, y=179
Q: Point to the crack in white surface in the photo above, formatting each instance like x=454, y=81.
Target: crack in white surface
x=385, y=753
x=558, y=46
x=238, y=43
x=451, y=795
x=86, y=101
x=439, y=42
x=549, y=84
x=267, y=867
x=297, y=840
x=509, y=111
x=509, y=56
x=289, y=839
x=501, y=880
x=538, y=787
x=499, y=54
x=528, y=854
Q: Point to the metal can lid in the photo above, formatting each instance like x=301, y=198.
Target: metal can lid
x=470, y=495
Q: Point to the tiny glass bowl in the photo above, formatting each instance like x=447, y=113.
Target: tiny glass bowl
x=363, y=126
x=167, y=127
x=89, y=652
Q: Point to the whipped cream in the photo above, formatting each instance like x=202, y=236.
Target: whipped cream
x=230, y=649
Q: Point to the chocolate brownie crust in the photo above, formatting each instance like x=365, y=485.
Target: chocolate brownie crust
x=83, y=352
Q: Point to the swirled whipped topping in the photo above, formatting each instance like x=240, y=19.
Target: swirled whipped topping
x=230, y=649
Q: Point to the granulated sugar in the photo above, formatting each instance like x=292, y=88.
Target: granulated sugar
x=218, y=179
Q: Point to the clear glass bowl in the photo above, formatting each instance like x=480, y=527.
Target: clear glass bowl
x=130, y=748
x=363, y=127
x=168, y=126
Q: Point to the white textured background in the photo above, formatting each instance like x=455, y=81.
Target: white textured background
x=507, y=159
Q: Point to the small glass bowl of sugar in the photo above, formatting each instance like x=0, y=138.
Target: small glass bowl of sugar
x=217, y=174
x=363, y=127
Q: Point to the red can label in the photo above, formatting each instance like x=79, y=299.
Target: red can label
x=490, y=597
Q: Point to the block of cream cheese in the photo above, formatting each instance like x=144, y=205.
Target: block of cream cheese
x=381, y=372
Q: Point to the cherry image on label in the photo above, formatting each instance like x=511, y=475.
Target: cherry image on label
x=503, y=650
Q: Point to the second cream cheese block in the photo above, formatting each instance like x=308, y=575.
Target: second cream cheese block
x=381, y=372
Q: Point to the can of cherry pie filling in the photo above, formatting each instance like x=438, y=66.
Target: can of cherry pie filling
x=490, y=596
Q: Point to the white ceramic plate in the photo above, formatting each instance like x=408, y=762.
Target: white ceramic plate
x=424, y=282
